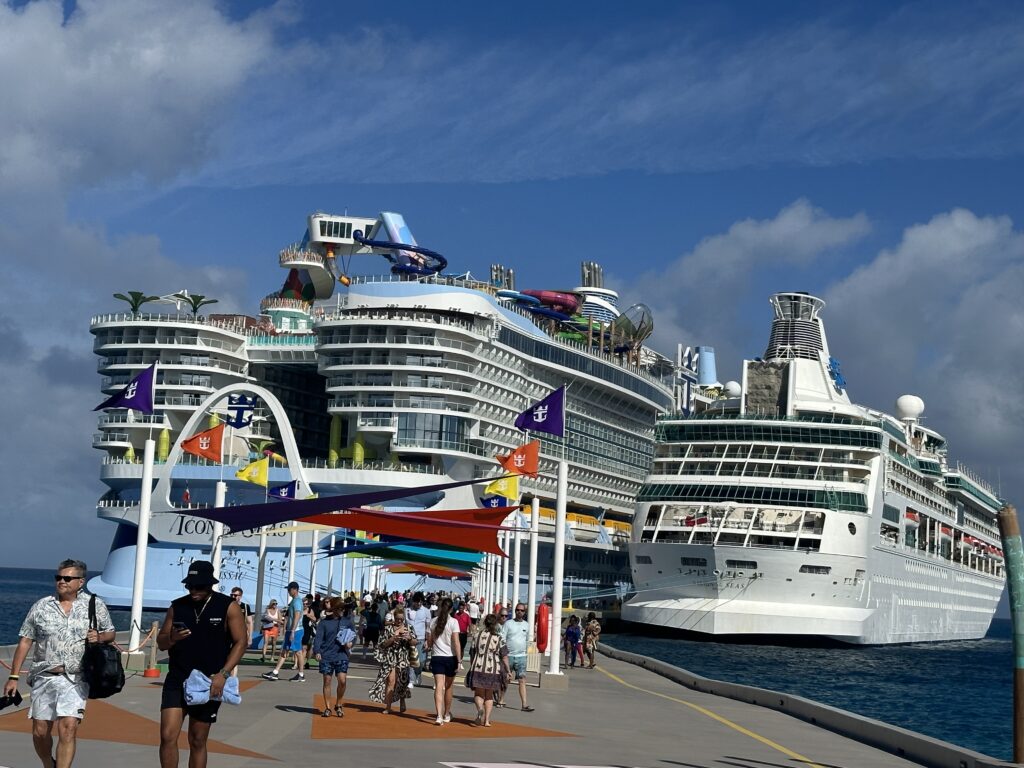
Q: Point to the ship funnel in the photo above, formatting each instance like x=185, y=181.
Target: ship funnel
x=797, y=331
x=707, y=375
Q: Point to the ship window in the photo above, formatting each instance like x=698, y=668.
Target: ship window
x=824, y=570
x=699, y=562
x=643, y=560
x=750, y=565
x=323, y=228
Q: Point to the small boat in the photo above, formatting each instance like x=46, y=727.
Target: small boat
x=911, y=519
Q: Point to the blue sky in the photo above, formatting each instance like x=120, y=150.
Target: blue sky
x=706, y=154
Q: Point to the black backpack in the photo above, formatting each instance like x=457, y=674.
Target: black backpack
x=101, y=664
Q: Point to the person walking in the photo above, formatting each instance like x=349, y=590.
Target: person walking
x=392, y=655
x=418, y=616
x=463, y=618
x=291, y=647
x=370, y=626
x=574, y=641
x=310, y=617
x=333, y=654
x=270, y=626
x=247, y=613
x=591, y=634
x=203, y=631
x=516, y=634
x=56, y=630
x=443, y=640
x=488, y=668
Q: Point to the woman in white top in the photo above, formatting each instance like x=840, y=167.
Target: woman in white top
x=443, y=641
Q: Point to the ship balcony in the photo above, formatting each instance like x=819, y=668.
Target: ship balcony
x=130, y=420
x=370, y=422
x=104, y=440
x=345, y=404
x=103, y=365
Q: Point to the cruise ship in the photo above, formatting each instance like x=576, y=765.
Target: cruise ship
x=398, y=380
x=779, y=510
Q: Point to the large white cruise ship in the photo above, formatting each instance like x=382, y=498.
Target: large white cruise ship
x=777, y=508
x=406, y=379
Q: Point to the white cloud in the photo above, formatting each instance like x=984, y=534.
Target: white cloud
x=700, y=298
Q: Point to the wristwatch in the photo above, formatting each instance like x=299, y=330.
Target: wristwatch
x=226, y=673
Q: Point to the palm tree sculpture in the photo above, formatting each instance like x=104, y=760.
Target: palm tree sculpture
x=135, y=299
x=195, y=301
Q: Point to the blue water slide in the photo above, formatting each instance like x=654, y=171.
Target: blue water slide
x=436, y=262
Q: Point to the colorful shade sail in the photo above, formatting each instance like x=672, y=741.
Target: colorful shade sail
x=257, y=515
x=426, y=570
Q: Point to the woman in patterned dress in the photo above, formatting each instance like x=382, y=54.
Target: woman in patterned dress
x=591, y=633
x=392, y=653
x=488, y=668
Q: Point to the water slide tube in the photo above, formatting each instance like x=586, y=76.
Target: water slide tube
x=560, y=301
x=433, y=262
x=522, y=298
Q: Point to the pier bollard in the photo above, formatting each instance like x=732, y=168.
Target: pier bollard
x=152, y=670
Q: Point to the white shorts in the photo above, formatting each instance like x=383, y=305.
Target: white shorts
x=54, y=696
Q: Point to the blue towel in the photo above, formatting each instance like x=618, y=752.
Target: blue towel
x=197, y=690
x=345, y=636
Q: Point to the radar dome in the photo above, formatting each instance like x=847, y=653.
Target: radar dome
x=733, y=389
x=909, y=407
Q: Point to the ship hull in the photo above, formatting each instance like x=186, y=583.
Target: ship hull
x=886, y=596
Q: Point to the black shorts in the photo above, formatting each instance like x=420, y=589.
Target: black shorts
x=371, y=635
x=174, y=698
x=443, y=665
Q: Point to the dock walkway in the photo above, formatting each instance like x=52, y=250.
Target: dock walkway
x=619, y=715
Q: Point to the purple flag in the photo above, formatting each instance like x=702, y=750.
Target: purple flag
x=547, y=415
x=286, y=491
x=138, y=395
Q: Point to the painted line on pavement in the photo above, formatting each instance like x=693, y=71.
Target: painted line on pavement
x=723, y=720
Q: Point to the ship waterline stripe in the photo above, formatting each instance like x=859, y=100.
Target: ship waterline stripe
x=723, y=720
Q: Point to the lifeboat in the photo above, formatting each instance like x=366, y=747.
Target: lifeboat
x=996, y=553
x=945, y=533
x=911, y=519
x=693, y=520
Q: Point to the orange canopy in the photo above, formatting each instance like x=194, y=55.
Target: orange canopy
x=427, y=570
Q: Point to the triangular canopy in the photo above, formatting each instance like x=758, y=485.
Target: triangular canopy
x=258, y=515
x=427, y=570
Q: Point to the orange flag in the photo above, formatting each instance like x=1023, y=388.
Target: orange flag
x=205, y=444
x=524, y=460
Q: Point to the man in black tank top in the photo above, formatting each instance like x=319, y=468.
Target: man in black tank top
x=203, y=630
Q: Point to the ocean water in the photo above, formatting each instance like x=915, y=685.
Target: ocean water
x=960, y=692
x=20, y=587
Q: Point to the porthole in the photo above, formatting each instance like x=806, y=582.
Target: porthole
x=853, y=529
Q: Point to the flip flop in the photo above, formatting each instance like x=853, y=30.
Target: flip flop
x=325, y=713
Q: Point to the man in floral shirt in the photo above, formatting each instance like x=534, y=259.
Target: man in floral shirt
x=55, y=631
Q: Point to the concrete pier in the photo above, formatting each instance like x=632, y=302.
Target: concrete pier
x=624, y=714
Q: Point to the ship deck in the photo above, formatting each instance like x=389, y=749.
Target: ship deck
x=620, y=714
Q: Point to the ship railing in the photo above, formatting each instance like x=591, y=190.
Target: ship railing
x=142, y=419
x=236, y=348
x=184, y=361
x=411, y=403
x=283, y=340
x=377, y=314
x=166, y=317
x=804, y=418
x=445, y=385
x=103, y=438
x=430, y=340
x=274, y=301
x=372, y=465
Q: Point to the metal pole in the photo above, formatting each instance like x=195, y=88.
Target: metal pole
x=1009, y=532
x=330, y=569
x=218, y=530
x=531, y=582
x=292, y=542
x=344, y=569
x=504, y=568
x=261, y=564
x=558, y=571
x=517, y=540
x=141, y=544
x=314, y=534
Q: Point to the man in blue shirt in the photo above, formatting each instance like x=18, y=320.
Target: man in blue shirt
x=516, y=634
x=292, y=635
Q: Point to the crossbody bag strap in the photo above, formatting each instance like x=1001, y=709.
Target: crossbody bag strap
x=93, y=624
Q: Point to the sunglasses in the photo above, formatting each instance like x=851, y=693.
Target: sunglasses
x=236, y=594
x=66, y=579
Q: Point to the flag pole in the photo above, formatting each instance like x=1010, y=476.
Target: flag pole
x=219, y=499
x=558, y=568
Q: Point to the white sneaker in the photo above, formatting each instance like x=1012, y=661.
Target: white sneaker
x=439, y=721
x=448, y=717
x=411, y=685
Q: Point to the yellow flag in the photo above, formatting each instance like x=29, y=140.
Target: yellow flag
x=255, y=472
x=506, y=486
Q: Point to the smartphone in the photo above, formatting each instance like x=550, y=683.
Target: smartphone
x=179, y=625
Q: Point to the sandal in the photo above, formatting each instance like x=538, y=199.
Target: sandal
x=339, y=711
x=325, y=713
x=527, y=709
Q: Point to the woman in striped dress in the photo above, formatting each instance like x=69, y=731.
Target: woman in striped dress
x=488, y=668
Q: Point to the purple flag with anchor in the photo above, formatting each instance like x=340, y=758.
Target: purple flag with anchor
x=547, y=415
x=138, y=395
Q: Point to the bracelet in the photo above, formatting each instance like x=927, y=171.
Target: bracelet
x=13, y=677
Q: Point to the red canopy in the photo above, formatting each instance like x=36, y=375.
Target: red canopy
x=427, y=570
x=474, y=529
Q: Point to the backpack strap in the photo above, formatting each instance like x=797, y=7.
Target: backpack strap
x=93, y=624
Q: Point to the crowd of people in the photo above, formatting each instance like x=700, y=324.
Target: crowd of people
x=206, y=633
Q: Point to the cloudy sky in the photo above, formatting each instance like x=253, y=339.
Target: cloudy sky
x=706, y=155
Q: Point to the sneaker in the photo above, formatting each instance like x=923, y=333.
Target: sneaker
x=299, y=678
x=269, y=676
x=411, y=685
x=448, y=717
x=439, y=721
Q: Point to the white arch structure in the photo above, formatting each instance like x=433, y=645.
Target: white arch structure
x=162, y=490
